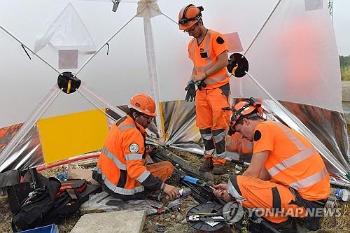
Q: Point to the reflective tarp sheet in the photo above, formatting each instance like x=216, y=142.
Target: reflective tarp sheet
x=325, y=129
x=26, y=154
x=329, y=134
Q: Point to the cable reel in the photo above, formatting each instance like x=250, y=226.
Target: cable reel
x=233, y=212
x=206, y=217
x=212, y=216
x=238, y=65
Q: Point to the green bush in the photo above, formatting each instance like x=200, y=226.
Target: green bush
x=345, y=67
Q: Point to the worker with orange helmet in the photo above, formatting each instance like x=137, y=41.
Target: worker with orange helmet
x=236, y=143
x=208, y=52
x=286, y=176
x=121, y=165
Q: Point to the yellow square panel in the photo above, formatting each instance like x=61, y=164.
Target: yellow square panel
x=70, y=135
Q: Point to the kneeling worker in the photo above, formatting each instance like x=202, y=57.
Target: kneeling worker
x=122, y=161
x=286, y=172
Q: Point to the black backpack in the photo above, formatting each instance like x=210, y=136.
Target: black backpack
x=42, y=209
x=19, y=183
x=37, y=201
x=35, y=208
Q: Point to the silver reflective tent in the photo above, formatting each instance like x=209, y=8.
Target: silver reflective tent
x=138, y=48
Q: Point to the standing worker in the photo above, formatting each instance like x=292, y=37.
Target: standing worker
x=121, y=166
x=208, y=52
x=286, y=173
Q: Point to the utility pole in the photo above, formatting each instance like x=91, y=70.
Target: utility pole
x=330, y=8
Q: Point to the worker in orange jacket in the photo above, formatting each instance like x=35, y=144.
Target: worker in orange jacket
x=236, y=143
x=286, y=177
x=121, y=164
x=208, y=52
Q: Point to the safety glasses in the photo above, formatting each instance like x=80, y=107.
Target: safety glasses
x=148, y=118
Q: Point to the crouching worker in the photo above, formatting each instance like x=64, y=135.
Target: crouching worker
x=121, y=165
x=286, y=178
x=236, y=143
x=240, y=146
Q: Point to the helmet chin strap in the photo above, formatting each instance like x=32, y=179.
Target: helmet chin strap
x=135, y=115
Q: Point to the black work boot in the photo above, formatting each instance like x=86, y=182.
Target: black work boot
x=207, y=165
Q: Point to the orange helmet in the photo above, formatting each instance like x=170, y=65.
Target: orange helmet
x=244, y=109
x=189, y=16
x=143, y=104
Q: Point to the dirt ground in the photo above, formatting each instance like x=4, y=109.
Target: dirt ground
x=174, y=222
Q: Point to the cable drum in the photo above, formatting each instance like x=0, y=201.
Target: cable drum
x=206, y=217
x=238, y=65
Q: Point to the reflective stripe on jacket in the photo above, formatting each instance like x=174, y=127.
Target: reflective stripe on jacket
x=121, y=161
x=292, y=160
x=205, y=55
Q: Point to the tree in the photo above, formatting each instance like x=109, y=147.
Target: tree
x=345, y=67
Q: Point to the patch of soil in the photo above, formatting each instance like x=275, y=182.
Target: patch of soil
x=340, y=222
x=172, y=222
x=5, y=215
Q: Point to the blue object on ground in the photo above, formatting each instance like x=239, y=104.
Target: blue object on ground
x=45, y=229
x=62, y=176
x=190, y=179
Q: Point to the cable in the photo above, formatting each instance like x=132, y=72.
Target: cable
x=263, y=26
x=89, y=95
x=26, y=47
x=166, y=16
x=107, y=42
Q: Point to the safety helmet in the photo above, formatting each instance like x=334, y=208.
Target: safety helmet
x=189, y=16
x=244, y=109
x=143, y=104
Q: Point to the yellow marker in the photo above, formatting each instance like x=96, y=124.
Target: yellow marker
x=69, y=86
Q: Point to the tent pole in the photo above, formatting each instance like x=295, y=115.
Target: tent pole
x=101, y=103
x=43, y=105
x=152, y=72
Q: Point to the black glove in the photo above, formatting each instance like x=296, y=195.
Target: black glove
x=201, y=84
x=191, y=91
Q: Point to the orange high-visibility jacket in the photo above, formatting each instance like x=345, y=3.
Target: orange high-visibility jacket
x=292, y=160
x=121, y=161
x=206, y=54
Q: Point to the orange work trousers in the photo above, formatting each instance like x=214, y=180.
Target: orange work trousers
x=163, y=170
x=274, y=201
x=209, y=109
x=210, y=113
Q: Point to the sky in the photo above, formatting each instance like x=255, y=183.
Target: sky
x=341, y=22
